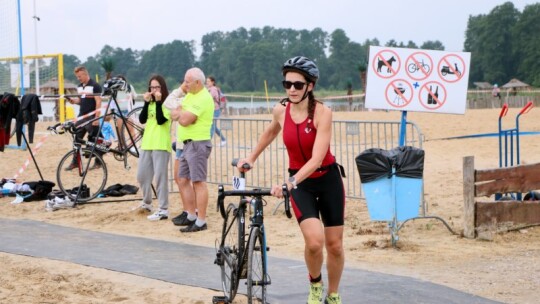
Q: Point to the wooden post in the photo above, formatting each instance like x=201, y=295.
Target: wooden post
x=468, y=197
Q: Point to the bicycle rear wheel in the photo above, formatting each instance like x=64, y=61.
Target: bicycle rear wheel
x=231, y=249
x=256, y=268
x=70, y=180
x=132, y=125
x=412, y=67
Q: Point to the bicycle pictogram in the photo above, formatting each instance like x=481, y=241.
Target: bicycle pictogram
x=418, y=66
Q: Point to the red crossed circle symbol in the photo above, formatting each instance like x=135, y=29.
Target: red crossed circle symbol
x=396, y=93
x=426, y=94
x=447, y=68
x=384, y=62
x=415, y=65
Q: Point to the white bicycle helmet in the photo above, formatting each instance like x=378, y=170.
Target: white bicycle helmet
x=114, y=84
x=303, y=65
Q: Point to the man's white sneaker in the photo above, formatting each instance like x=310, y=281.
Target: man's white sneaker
x=143, y=207
x=159, y=215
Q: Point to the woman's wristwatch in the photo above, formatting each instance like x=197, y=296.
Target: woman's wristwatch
x=292, y=180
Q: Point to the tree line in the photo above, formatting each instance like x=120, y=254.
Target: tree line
x=502, y=45
x=505, y=44
x=242, y=60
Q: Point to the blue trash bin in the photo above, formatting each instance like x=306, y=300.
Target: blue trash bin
x=392, y=182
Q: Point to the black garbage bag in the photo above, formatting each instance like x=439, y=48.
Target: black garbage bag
x=377, y=163
x=409, y=162
x=373, y=164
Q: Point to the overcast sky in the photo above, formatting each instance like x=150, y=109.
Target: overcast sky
x=82, y=28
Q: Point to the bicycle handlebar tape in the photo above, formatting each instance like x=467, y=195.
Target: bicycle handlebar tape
x=220, y=201
x=286, y=196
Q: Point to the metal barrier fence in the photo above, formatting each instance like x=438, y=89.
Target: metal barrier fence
x=349, y=139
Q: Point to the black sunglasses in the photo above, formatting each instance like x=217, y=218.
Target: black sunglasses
x=298, y=85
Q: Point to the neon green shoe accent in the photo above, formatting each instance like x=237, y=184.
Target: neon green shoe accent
x=316, y=291
x=333, y=298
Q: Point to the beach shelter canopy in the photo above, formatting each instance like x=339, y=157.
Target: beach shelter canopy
x=515, y=83
x=483, y=85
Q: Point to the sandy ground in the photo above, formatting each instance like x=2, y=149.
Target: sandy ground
x=506, y=269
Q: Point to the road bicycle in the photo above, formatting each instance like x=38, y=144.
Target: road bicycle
x=85, y=182
x=240, y=255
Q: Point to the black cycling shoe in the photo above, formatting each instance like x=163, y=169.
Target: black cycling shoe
x=194, y=228
x=180, y=219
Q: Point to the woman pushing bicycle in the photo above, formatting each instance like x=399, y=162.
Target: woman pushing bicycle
x=315, y=182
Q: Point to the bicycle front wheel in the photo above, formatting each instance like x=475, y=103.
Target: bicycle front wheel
x=133, y=127
x=257, y=278
x=71, y=169
x=230, y=251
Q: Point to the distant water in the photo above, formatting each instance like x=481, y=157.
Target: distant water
x=47, y=107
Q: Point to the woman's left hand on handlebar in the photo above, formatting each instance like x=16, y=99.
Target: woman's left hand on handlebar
x=277, y=191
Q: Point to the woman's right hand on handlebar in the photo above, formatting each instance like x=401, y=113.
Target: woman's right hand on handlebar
x=244, y=165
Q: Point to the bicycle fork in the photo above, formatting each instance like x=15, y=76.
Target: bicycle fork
x=264, y=251
x=266, y=280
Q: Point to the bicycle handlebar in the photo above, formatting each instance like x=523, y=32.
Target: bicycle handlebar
x=286, y=199
x=61, y=127
x=254, y=192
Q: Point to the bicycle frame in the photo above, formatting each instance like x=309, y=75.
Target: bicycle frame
x=123, y=148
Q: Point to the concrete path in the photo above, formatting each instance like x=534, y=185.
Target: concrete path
x=194, y=265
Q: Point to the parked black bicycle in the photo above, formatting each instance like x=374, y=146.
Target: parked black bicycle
x=88, y=179
x=243, y=255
